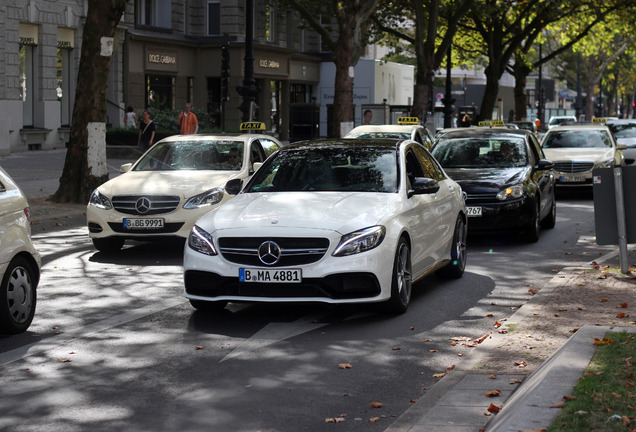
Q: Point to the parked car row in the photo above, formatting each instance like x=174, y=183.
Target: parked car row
x=315, y=221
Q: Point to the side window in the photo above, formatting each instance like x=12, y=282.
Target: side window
x=413, y=167
x=429, y=165
x=256, y=152
x=269, y=146
x=537, y=151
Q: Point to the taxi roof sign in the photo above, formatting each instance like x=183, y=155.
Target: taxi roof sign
x=408, y=120
x=253, y=126
x=491, y=123
x=599, y=120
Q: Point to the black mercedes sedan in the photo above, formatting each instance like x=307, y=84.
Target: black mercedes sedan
x=508, y=181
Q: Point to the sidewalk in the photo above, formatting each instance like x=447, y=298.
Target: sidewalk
x=535, y=358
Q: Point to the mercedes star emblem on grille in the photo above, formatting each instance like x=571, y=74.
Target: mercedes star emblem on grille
x=269, y=253
x=142, y=205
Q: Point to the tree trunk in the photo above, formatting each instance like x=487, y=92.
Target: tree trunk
x=85, y=164
x=490, y=95
x=589, y=99
x=521, y=72
x=343, y=87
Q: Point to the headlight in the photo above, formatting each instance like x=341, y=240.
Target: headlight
x=100, y=201
x=515, y=191
x=201, y=241
x=208, y=198
x=360, y=241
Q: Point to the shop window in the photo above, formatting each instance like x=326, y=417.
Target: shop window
x=214, y=18
x=26, y=84
x=300, y=93
x=154, y=13
x=63, y=87
x=270, y=23
x=160, y=91
x=189, y=90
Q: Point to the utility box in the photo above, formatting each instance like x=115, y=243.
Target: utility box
x=605, y=211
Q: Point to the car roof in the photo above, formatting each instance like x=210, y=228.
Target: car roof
x=598, y=126
x=385, y=143
x=479, y=132
x=386, y=128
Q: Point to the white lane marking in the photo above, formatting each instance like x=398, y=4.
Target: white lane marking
x=87, y=330
x=275, y=332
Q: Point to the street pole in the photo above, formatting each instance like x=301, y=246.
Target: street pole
x=579, y=92
x=249, y=90
x=540, y=106
x=620, y=214
x=448, y=100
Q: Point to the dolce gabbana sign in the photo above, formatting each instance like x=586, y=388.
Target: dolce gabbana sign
x=164, y=60
x=271, y=64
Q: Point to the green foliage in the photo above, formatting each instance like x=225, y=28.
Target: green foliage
x=604, y=395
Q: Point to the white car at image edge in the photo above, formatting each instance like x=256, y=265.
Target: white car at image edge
x=20, y=262
x=342, y=221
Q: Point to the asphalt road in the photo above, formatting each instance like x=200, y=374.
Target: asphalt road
x=115, y=346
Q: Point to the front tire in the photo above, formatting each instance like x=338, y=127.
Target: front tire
x=17, y=297
x=108, y=244
x=402, y=279
x=455, y=268
x=550, y=221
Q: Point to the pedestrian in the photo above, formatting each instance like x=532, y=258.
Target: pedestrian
x=187, y=122
x=368, y=116
x=146, y=132
x=130, y=118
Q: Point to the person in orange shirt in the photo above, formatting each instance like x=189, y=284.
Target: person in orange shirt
x=187, y=121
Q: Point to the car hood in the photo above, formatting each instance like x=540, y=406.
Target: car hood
x=335, y=211
x=579, y=154
x=182, y=183
x=487, y=179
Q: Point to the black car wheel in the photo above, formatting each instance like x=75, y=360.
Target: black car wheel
x=17, y=297
x=208, y=306
x=550, y=220
x=108, y=244
x=455, y=268
x=402, y=279
x=531, y=234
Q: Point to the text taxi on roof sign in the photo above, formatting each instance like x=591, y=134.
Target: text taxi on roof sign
x=252, y=126
x=491, y=123
x=408, y=120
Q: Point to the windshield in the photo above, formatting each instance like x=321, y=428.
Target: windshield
x=576, y=139
x=328, y=169
x=217, y=155
x=626, y=130
x=481, y=152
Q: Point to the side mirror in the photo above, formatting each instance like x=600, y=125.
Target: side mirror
x=256, y=166
x=125, y=167
x=621, y=146
x=423, y=186
x=545, y=164
x=234, y=186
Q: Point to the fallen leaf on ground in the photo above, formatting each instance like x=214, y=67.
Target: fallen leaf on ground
x=334, y=420
x=376, y=404
x=604, y=341
x=569, y=398
x=604, y=300
x=492, y=393
x=374, y=419
x=494, y=408
x=516, y=380
x=533, y=291
x=521, y=364
x=558, y=405
x=622, y=315
x=493, y=376
x=623, y=305
x=344, y=365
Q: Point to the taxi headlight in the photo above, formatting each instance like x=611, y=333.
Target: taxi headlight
x=207, y=198
x=201, y=241
x=510, y=192
x=360, y=241
x=100, y=201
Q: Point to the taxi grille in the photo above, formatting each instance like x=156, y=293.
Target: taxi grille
x=294, y=251
x=573, y=167
x=136, y=204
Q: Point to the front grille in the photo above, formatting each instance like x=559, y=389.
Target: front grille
x=158, y=204
x=481, y=198
x=572, y=167
x=294, y=251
